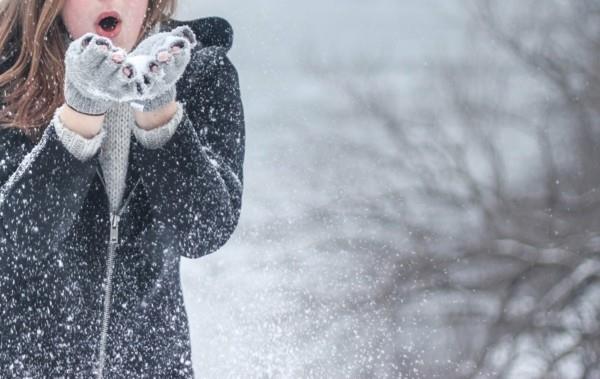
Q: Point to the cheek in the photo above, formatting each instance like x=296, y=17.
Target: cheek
x=74, y=17
x=133, y=18
x=136, y=11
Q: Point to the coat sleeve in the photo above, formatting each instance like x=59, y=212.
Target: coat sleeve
x=194, y=181
x=42, y=189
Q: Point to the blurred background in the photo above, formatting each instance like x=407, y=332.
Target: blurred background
x=421, y=193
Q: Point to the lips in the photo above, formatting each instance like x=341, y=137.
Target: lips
x=108, y=24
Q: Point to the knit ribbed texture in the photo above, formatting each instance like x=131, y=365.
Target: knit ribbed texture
x=161, y=100
x=82, y=148
x=115, y=151
x=114, y=139
x=156, y=138
x=80, y=103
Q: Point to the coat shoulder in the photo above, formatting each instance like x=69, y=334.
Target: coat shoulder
x=210, y=66
x=210, y=31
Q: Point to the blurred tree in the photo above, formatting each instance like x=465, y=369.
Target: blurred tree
x=493, y=174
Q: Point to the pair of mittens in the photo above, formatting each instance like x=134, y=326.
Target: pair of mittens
x=97, y=73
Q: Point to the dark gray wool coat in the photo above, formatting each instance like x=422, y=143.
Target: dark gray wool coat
x=55, y=227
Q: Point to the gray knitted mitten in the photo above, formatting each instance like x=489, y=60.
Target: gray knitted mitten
x=157, y=63
x=94, y=75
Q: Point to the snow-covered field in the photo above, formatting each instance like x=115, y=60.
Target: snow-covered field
x=276, y=301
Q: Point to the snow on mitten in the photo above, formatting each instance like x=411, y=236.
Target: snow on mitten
x=94, y=74
x=158, y=63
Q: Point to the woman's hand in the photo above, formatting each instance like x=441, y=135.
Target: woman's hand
x=158, y=62
x=96, y=75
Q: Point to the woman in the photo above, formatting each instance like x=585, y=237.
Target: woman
x=104, y=187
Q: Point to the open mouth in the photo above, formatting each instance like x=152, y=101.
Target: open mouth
x=108, y=24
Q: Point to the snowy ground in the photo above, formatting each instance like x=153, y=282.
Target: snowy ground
x=275, y=302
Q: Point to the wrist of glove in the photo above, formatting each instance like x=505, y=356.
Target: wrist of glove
x=98, y=74
x=157, y=102
x=87, y=105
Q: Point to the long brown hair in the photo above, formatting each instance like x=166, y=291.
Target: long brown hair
x=33, y=44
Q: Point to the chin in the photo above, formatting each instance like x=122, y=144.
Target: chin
x=127, y=46
x=118, y=42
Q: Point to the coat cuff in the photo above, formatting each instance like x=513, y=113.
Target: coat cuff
x=82, y=148
x=158, y=137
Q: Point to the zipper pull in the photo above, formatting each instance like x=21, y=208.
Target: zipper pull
x=114, y=227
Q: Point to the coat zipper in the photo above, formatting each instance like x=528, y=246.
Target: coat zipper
x=113, y=242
